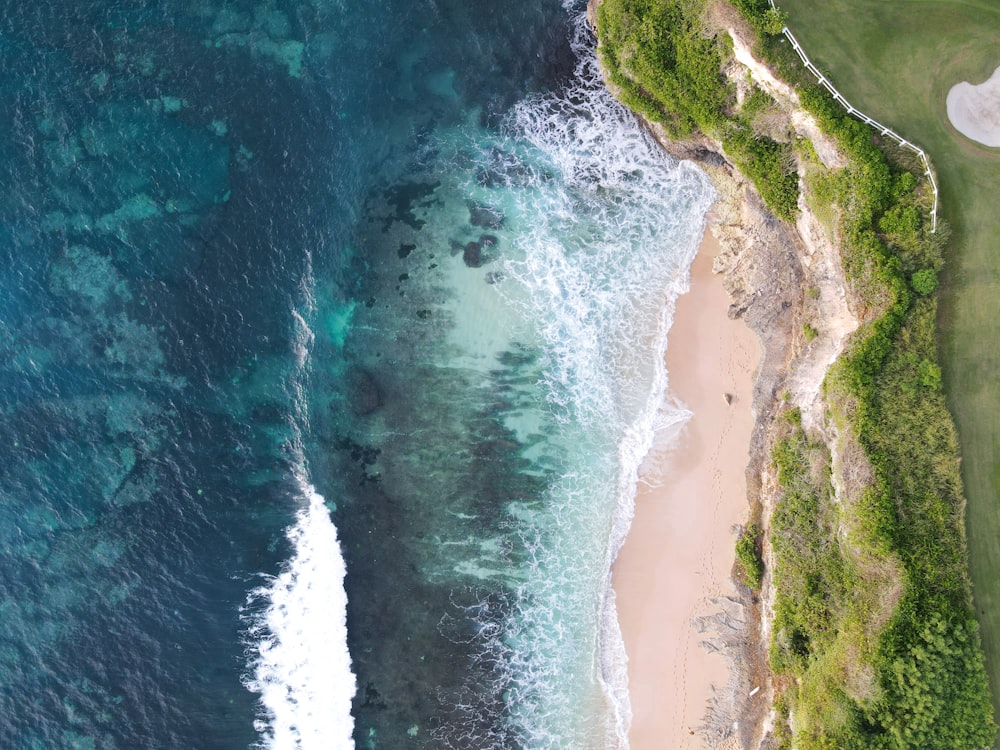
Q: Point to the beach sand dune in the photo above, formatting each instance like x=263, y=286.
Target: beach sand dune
x=680, y=549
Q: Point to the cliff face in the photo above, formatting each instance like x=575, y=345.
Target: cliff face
x=781, y=277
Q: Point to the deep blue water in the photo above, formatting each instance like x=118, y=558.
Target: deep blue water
x=405, y=255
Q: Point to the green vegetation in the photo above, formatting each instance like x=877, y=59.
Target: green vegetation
x=896, y=60
x=664, y=67
x=811, y=575
x=748, y=554
x=874, y=625
x=924, y=281
x=911, y=677
x=916, y=680
x=769, y=164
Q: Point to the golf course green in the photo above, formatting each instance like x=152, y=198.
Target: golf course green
x=896, y=60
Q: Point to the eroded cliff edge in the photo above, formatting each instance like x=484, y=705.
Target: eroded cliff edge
x=803, y=286
x=781, y=277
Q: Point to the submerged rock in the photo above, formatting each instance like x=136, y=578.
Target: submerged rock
x=473, y=255
x=364, y=393
x=476, y=254
x=485, y=216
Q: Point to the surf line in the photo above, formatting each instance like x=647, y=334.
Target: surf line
x=301, y=663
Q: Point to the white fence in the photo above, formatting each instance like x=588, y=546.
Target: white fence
x=884, y=130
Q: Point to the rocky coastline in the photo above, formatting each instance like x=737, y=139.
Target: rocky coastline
x=780, y=276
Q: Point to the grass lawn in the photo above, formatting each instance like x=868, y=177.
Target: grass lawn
x=896, y=61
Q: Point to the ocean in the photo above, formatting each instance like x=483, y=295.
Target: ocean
x=332, y=342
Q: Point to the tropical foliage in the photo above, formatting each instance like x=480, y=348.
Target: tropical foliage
x=665, y=66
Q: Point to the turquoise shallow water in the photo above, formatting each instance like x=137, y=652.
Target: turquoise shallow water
x=331, y=340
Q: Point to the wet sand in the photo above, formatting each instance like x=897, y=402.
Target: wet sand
x=680, y=549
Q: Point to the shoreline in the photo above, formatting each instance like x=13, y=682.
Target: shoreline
x=678, y=554
x=827, y=293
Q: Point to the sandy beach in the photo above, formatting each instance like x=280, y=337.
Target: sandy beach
x=680, y=549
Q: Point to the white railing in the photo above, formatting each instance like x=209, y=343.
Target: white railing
x=851, y=110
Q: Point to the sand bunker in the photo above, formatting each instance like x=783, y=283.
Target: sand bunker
x=975, y=110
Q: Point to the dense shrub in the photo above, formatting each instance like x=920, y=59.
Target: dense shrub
x=766, y=21
x=810, y=574
x=924, y=281
x=771, y=167
x=656, y=53
x=748, y=554
x=666, y=69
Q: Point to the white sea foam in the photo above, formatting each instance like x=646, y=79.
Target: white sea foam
x=301, y=664
x=603, y=252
